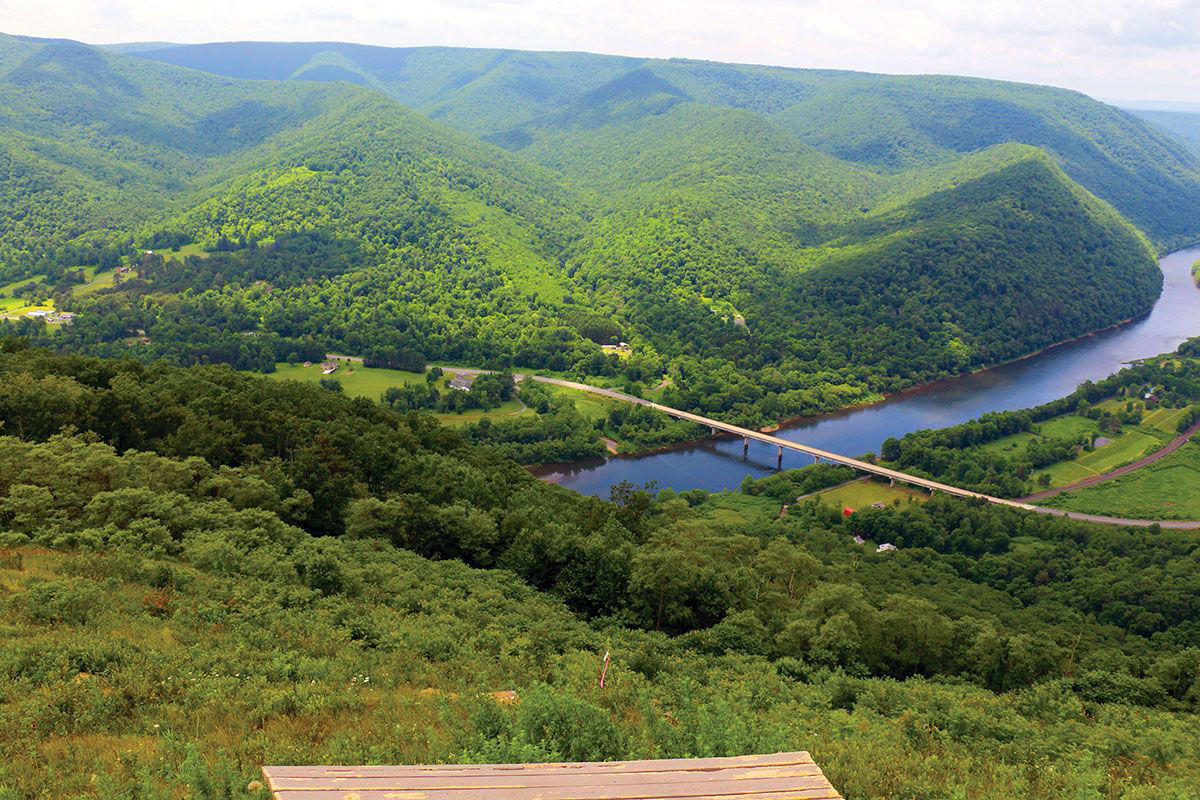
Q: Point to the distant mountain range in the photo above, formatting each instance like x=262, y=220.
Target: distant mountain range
x=871, y=230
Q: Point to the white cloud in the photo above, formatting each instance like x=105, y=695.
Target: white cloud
x=1143, y=49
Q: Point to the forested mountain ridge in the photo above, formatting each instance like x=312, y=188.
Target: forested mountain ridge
x=174, y=141
x=881, y=121
x=1183, y=124
x=667, y=204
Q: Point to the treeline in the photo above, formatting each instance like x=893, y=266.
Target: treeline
x=342, y=466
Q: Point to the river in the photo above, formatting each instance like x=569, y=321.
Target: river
x=715, y=464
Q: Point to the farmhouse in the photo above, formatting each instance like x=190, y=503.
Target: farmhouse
x=328, y=367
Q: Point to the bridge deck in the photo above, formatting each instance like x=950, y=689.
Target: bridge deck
x=718, y=425
x=781, y=776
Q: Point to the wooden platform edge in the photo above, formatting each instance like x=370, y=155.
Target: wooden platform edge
x=774, y=776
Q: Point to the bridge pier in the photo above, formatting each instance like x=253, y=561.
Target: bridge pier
x=745, y=445
x=892, y=482
x=816, y=460
x=712, y=430
x=780, y=464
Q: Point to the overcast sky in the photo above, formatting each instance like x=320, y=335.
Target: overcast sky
x=1111, y=49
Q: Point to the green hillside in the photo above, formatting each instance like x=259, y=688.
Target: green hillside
x=885, y=122
x=673, y=205
x=1185, y=125
x=209, y=571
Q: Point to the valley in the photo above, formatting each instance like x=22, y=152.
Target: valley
x=465, y=406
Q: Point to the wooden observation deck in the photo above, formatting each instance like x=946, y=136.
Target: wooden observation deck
x=781, y=776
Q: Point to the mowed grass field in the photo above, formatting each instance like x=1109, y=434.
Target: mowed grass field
x=866, y=492
x=95, y=282
x=1126, y=447
x=16, y=306
x=1158, y=427
x=371, y=382
x=1064, y=427
x=592, y=406
x=1167, y=489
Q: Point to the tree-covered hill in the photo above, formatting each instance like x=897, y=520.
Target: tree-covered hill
x=676, y=201
x=885, y=122
x=1183, y=124
x=147, y=143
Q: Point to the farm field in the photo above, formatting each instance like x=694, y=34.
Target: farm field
x=1164, y=419
x=371, y=382
x=866, y=492
x=1064, y=427
x=593, y=407
x=16, y=306
x=1168, y=489
x=1128, y=446
x=1158, y=426
x=95, y=282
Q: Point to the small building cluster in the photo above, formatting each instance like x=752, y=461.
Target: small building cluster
x=60, y=317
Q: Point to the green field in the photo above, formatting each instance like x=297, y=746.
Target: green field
x=1064, y=427
x=1127, y=447
x=592, y=406
x=371, y=382
x=1167, y=489
x=16, y=306
x=866, y=492
x=1164, y=419
x=1156, y=429
x=95, y=282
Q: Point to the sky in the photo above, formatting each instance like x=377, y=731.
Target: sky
x=1115, y=50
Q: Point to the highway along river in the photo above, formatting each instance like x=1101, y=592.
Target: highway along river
x=716, y=464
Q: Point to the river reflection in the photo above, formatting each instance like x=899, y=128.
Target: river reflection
x=716, y=464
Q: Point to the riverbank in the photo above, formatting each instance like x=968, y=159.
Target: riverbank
x=1028, y=381
x=808, y=419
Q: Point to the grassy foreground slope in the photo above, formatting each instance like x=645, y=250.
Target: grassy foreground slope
x=202, y=571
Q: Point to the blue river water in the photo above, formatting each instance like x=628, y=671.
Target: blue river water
x=715, y=464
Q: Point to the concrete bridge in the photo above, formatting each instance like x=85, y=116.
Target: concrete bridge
x=717, y=426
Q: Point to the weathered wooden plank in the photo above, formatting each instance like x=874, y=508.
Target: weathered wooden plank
x=819, y=793
x=654, y=765
x=499, y=779
x=776, y=776
x=582, y=790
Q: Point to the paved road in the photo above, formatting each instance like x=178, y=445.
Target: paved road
x=875, y=468
x=1163, y=452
